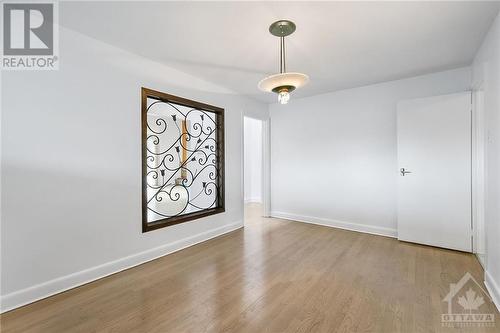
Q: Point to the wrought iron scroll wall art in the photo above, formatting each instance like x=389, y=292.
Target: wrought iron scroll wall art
x=182, y=160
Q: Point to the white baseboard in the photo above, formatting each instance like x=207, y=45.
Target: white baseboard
x=493, y=288
x=253, y=200
x=369, y=229
x=480, y=258
x=31, y=294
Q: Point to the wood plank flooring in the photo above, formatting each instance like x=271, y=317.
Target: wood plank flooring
x=271, y=276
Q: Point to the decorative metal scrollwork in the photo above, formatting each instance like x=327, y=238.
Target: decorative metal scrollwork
x=183, y=160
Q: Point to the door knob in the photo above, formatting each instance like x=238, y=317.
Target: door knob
x=403, y=171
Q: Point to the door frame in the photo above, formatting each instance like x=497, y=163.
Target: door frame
x=266, y=162
x=479, y=176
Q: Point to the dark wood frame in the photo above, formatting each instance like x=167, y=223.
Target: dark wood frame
x=219, y=120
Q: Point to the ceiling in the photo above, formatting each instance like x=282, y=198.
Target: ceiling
x=338, y=44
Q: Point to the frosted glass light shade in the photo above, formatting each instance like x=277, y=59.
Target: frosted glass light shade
x=283, y=79
x=283, y=97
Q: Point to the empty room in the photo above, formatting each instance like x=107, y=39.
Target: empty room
x=260, y=166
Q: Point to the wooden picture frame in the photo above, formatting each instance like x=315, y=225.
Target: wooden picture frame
x=219, y=158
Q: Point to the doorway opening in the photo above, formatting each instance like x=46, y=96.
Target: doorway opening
x=253, y=168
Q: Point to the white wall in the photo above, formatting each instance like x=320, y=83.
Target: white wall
x=334, y=158
x=253, y=159
x=71, y=168
x=486, y=71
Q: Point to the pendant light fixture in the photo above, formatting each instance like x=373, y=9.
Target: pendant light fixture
x=283, y=83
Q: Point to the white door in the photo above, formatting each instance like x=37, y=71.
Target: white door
x=434, y=182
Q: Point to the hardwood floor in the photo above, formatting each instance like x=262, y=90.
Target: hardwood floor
x=271, y=276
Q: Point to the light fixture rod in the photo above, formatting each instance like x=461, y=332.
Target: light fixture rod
x=282, y=55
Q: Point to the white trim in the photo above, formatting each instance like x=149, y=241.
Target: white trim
x=266, y=167
x=492, y=288
x=479, y=176
x=242, y=162
x=368, y=229
x=481, y=259
x=34, y=293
